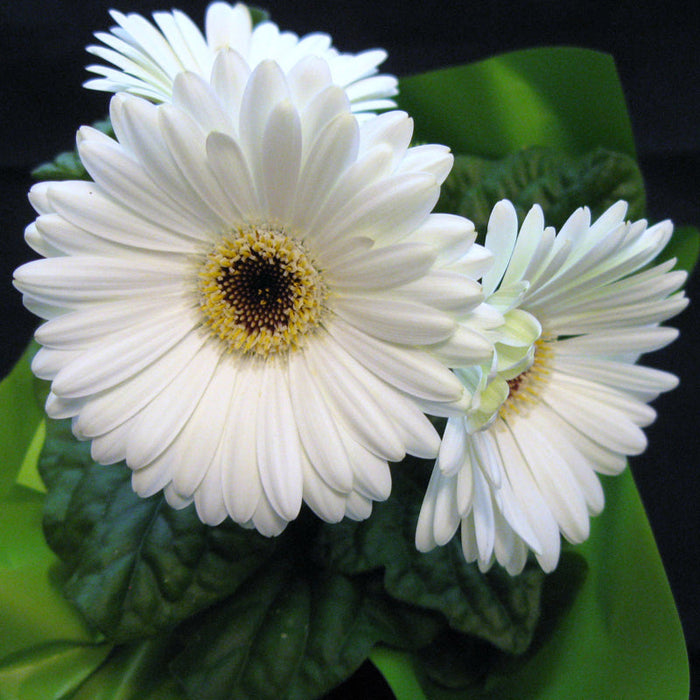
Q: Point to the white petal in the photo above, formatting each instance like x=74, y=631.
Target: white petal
x=278, y=448
x=394, y=320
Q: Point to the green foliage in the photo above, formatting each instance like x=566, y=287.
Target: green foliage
x=258, y=14
x=539, y=175
x=495, y=607
x=569, y=99
x=287, y=617
x=136, y=566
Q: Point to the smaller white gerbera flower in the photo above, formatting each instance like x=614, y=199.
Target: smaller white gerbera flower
x=564, y=398
x=147, y=58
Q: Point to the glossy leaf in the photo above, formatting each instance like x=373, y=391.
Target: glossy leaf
x=621, y=636
x=21, y=417
x=569, y=99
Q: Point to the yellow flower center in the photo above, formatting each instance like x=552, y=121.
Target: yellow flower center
x=259, y=291
x=525, y=389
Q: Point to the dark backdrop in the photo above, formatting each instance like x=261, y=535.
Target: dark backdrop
x=654, y=45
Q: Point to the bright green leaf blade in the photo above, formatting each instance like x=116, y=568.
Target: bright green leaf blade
x=137, y=671
x=51, y=671
x=20, y=420
x=397, y=669
x=538, y=175
x=565, y=98
x=136, y=565
x=621, y=637
x=45, y=649
x=685, y=246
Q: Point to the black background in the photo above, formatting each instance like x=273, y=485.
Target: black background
x=656, y=50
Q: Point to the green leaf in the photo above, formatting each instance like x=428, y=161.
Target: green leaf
x=136, y=566
x=619, y=638
x=566, y=98
x=685, y=246
x=67, y=165
x=20, y=421
x=258, y=14
x=294, y=634
x=46, y=651
x=558, y=183
x=496, y=607
x=137, y=671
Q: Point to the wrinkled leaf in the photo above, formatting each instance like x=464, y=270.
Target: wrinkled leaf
x=620, y=636
x=292, y=634
x=496, y=607
x=136, y=566
x=558, y=183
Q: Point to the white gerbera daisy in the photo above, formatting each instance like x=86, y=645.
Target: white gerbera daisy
x=147, y=57
x=564, y=399
x=251, y=302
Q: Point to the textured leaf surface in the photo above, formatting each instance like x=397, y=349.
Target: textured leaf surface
x=291, y=634
x=495, y=607
x=558, y=183
x=136, y=566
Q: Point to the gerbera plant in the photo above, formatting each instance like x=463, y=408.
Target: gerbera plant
x=266, y=321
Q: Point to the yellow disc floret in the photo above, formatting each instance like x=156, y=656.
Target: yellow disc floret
x=525, y=389
x=259, y=290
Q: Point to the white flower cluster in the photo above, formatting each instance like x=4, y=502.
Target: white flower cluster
x=254, y=307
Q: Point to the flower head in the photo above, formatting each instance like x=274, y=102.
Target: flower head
x=564, y=398
x=252, y=303
x=148, y=58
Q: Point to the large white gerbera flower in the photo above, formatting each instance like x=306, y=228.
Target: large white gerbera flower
x=147, y=58
x=252, y=302
x=564, y=399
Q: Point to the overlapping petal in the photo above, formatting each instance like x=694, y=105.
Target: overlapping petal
x=137, y=354
x=147, y=57
x=564, y=398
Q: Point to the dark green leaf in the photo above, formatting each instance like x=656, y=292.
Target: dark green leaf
x=496, y=607
x=67, y=165
x=558, y=183
x=292, y=634
x=258, y=14
x=452, y=664
x=136, y=566
x=569, y=99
